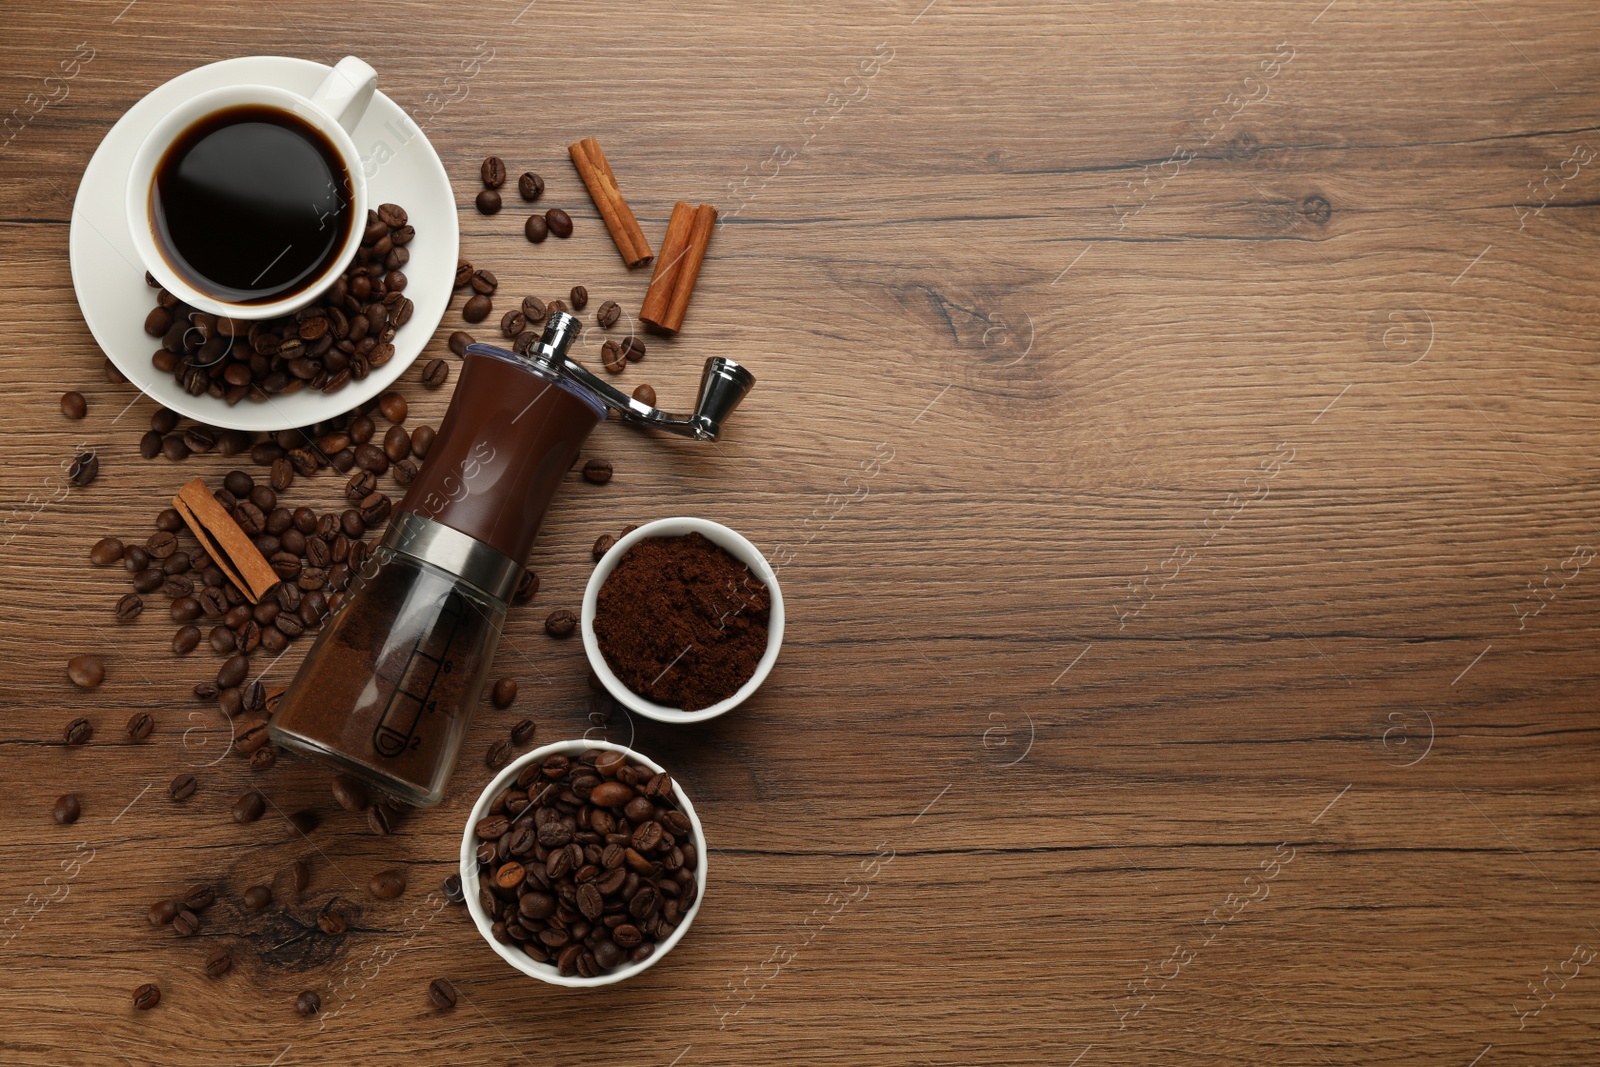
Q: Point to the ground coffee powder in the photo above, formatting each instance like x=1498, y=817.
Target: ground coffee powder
x=682, y=622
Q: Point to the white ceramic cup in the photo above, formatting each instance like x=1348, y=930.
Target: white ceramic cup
x=469, y=869
x=333, y=110
x=737, y=546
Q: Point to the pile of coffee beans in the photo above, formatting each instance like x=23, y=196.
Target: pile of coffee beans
x=586, y=864
x=342, y=336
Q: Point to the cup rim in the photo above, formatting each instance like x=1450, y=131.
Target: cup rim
x=743, y=550
x=469, y=868
x=141, y=173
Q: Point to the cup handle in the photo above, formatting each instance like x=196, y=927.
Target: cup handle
x=346, y=91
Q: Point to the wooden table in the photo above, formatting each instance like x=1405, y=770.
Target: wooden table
x=1176, y=426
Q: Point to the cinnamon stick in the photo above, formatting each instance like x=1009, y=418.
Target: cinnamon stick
x=678, y=268
x=229, y=546
x=601, y=182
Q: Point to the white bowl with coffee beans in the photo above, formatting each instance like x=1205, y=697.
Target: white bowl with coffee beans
x=583, y=863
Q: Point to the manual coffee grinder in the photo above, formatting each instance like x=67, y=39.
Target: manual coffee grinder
x=387, y=692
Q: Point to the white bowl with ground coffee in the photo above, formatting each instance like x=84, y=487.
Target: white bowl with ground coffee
x=682, y=620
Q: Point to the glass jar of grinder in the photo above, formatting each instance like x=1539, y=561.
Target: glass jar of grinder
x=387, y=692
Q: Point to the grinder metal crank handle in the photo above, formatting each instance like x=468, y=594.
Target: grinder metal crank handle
x=723, y=383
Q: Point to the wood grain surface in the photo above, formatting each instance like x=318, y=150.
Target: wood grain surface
x=1176, y=427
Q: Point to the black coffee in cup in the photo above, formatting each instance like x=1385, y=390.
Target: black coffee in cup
x=251, y=204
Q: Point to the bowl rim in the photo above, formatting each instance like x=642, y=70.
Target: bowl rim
x=741, y=549
x=469, y=868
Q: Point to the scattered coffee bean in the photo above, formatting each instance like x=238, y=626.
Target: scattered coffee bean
x=382, y=818
x=633, y=348
x=308, y=1003
x=73, y=406
x=559, y=221
x=477, y=308
x=350, y=793
x=85, y=468
x=527, y=586
x=534, y=309
x=493, y=172
x=67, y=809
x=499, y=754
x=504, y=693
x=78, y=731
x=393, y=406
x=331, y=923
x=386, y=885
x=200, y=897
x=148, y=995
x=644, y=394
x=264, y=758
x=219, y=963
x=86, y=672
x=536, y=229
x=422, y=440
x=602, y=545
x=459, y=340
x=182, y=787
x=436, y=373
x=129, y=607
x=488, y=201
x=441, y=994
x=141, y=725
x=555, y=306
x=560, y=623
x=163, y=912
x=249, y=807
x=233, y=671
x=186, y=923
x=250, y=737
x=580, y=297
x=484, y=281
x=608, y=314
x=523, y=732
x=613, y=359
x=597, y=471
x=257, y=897
x=106, y=551
x=530, y=185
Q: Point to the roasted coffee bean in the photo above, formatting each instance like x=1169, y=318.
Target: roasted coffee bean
x=233, y=670
x=186, y=923
x=560, y=623
x=393, y=406
x=135, y=558
x=463, y=273
x=477, y=308
x=386, y=885
x=633, y=348
x=555, y=306
x=488, y=201
x=372, y=458
x=505, y=692
x=186, y=609
x=219, y=963
x=255, y=696
x=67, y=809
x=382, y=818
x=361, y=483
x=182, y=787
x=441, y=994
x=559, y=221
x=397, y=442
x=163, y=912
x=264, y=758
x=452, y=889
x=251, y=736
x=148, y=995
x=608, y=314
x=597, y=471
x=331, y=923
x=249, y=807
x=106, y=551
x=308, y=1003
x=185, y=640
x=256, y=897
x=129, y=607
x=199, y=897
x=223, y=641
x=78, y=731
x=459, y=340
x=527, y=586
x=602, y=545
x=644, y=394
x=150, y=445
x=435, y=374
x=86, y=672
x=612, y=358
x=536, y=229
x=174, y=447
x=485, y=282
x=498, y=755
x=161, y=544
x=74, y=406
x=300, y=875
x=140, y=726
x=530, y=185
x=350, y=794
x=580, y=297
x=493, y=172
x=513, y=322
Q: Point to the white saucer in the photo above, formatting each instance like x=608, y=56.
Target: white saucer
x=402, y=168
